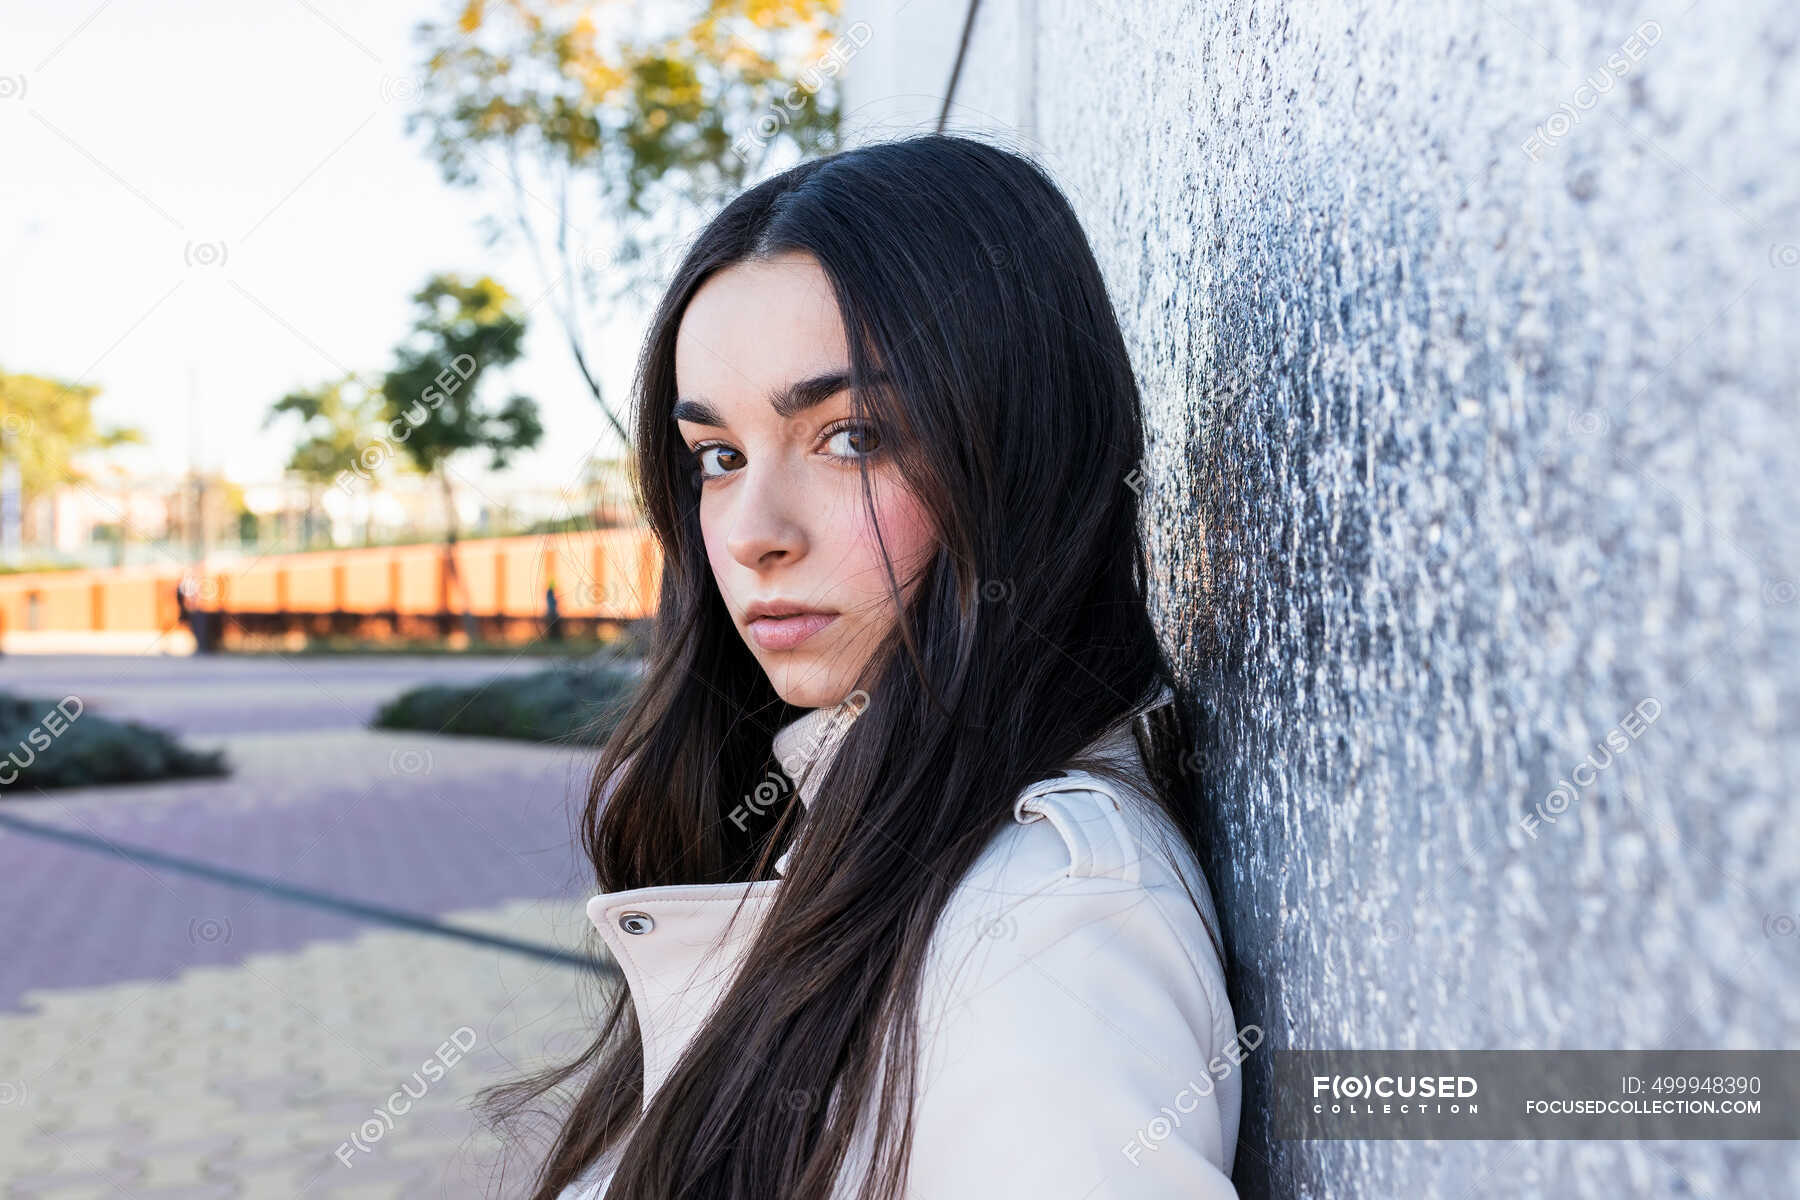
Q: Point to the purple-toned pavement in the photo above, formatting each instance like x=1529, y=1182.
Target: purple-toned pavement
x=421, y=823
x=148, y=1014
x=212, y=695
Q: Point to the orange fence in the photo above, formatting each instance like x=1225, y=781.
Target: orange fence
x=605, y=575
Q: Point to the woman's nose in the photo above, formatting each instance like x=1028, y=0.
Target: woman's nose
x=765, y=526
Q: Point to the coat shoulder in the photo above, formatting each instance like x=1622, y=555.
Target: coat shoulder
x=1080, y=825
x=1103, y=827
x=1071, y=991
x=1079, y=848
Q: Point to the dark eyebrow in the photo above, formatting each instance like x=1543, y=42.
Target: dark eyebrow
x=792, y=400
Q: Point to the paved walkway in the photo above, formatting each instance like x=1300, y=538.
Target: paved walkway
x=167, y=1034
x=287, y=1074
x=208, y=696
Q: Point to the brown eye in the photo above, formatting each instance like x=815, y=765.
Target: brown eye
x=853, y=441
x=707, y=460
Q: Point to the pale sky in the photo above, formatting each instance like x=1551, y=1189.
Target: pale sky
x=147, y=139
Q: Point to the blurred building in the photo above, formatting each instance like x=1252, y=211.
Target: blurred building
x=113, y=521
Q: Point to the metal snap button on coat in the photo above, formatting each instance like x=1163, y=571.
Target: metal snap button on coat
x=636, y=922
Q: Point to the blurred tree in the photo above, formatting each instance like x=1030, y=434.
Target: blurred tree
x=46, y=425
x=462, y=330
x=570, y=115
x=341, y=441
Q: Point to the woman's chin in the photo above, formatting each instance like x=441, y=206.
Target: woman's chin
x=805, y=682
x=808, y=695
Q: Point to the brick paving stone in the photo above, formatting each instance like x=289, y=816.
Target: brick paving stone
x=290, y=1180
x=98, y=1130
x=368, y=1190
x=103, y=1181
x=215, y=694
x=487, y=824
x=207, y=1148
x=179, y=1169
x=221, y=1189
x=178, y=1036
x=28, y=1159
x=169, y=1113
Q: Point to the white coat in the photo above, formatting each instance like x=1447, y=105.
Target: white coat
x=1075, y=1037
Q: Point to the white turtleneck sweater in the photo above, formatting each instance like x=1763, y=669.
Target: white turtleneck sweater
x=804, y=748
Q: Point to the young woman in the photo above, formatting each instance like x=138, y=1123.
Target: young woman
x=906, y=897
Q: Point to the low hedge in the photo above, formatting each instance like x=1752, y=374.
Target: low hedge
x=573, y=704
x=60, y=744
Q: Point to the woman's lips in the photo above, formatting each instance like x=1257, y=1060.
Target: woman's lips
x=784, y=633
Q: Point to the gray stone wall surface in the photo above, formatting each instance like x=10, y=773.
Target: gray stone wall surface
x=1470, y=338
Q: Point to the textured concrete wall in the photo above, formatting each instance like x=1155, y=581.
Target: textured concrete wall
x=1473, y=397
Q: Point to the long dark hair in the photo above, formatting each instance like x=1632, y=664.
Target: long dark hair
x=984, y=347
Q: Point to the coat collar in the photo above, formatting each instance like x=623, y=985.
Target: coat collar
x=806, y=745
x=679, y=945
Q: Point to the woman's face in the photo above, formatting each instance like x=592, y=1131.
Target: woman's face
x=761, y=365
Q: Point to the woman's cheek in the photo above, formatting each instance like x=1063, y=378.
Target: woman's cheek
x=717, y=557
x=907, y=529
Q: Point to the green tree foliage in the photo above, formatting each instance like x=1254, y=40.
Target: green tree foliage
x=431, y=402
x=462, y=330
x=570, y=116
x=45, y=427
x=339, y=420
x=341, y=440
